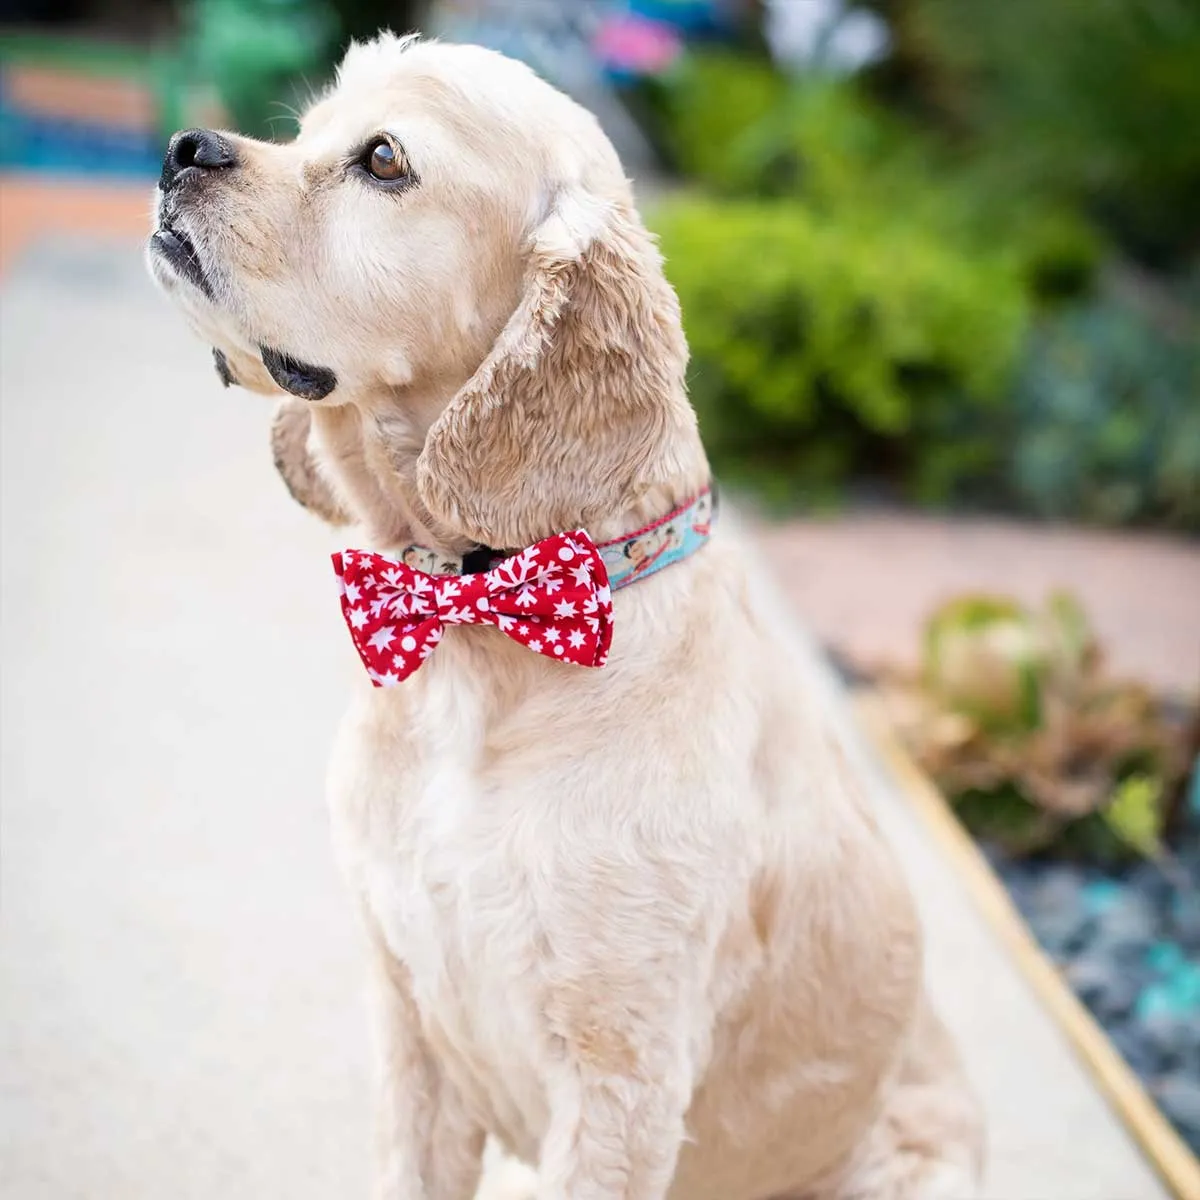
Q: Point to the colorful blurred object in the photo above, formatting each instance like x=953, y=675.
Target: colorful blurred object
x=687, y=16
x=631, y=47
x=69, y=106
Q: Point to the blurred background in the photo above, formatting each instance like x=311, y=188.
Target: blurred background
x=939, y=263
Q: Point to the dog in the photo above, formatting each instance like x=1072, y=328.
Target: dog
x=633, y=921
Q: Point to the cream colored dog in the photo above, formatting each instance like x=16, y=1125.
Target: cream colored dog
x=636, y=923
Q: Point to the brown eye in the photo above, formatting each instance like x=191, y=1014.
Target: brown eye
x=386, y=161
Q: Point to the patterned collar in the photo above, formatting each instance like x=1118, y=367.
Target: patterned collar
x=636, y=555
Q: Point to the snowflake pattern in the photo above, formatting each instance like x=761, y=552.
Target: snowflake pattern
x=554, y=597
x=397, y=614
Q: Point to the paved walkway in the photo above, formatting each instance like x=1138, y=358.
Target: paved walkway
x=179, y=974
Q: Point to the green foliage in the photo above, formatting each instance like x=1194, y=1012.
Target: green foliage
x=739, y=128
x=1135, y=814
x=859, y=296
x=256, y=54
x=263, y=55
x=830, y=344
x=1096, y=100
x=704, y=108
x=1106, y=419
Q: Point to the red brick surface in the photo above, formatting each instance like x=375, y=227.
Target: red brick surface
x=865, y=583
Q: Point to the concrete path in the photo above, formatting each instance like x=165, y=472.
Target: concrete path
x=180, y=1012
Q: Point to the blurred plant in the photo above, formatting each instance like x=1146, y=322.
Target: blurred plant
x=829, y=345
x=263, y=56
x=1106, y=418
x=1033, y=744
x=259, y=54
x=853, y=234
x=740, y=128
x=1096, y=100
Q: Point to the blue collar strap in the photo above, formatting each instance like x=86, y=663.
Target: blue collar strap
x=637, y=555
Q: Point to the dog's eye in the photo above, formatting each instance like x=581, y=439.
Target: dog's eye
x=386, y=162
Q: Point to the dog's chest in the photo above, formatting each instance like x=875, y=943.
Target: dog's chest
x=452, y=894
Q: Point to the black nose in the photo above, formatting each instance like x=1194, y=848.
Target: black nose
x=199, y=148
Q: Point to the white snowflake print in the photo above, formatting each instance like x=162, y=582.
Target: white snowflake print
x=545, y=597
x=382, y=638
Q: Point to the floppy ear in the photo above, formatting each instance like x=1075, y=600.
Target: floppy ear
x=294, y=461
x=580, y=405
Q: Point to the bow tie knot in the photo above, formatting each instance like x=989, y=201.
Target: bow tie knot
x=553, y=598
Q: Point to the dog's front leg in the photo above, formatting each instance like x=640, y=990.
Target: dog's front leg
x=616, y=1127
x=428, y=1148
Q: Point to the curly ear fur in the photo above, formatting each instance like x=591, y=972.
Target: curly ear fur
x=293, y=460
x=580, y=408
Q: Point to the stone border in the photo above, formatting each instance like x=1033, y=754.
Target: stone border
x=1162, y=1146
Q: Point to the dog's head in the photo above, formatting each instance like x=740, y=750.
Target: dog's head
x=445, y=271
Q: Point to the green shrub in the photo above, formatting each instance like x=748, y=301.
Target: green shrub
x=832, y=345
x=703, y=108
x=1097, y=101
x=1106, y=419
x=260, y=56
x=734, y=125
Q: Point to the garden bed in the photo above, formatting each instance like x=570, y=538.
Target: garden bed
x=1113, y=957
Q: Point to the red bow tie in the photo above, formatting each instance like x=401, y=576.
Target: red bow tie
x=553, y=597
